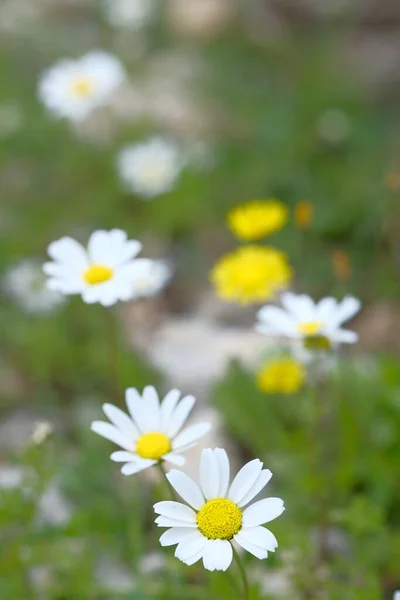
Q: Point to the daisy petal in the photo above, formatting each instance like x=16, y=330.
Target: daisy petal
x=191, y=546
x=209, y=474
x=258, y=552
x=151, y=405
x=167, y=408
x=223, y=470
x=175, y=459
x=67, y=250
x=217, y=555
x=121, y=420
x=190, y=434
x=275, y=320
x=300, y=306
x=196, y=557
x=188, y=490
x=135, y=407
x=139, y=465
x=175, y=536
x=256, y=488
x=263, y=511
x=180, y=415
x=344, y=336
x=326, y=308
x=111, y=433
x=245, y=480
x=175, y=510
x=167, y=522
x=347, y=308
x=122, y=456
x=260, y=536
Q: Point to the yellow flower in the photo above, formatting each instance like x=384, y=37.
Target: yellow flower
x=251, y=274
x=341, y=265
x=303, y=214
x=257, y=219
x=281, y=376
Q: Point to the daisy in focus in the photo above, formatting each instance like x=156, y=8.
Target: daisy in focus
x=151, y=168
x=281, y=375
x=152, y=432
x=75, y=88
x=317, y=324
x=25, y=283
x=150, y=277
x=251, y=274
x=103, y=272
x=216, y=515
x=257, y=219
x=133, y=14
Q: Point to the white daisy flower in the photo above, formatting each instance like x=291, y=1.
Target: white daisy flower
x=150, y=276
x=317, y=325
x=217, y=516
x=396, y=595
x=133, y=14
x=26, y=285
x=101, y=273
x=150, y=169
x=74, y=88
x=151, y=433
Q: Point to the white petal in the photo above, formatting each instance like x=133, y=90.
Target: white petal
x=245, y=480
x=256, y=488
x=167, y=522
x=191, y=546
x=122, y=456
x=276, y=320
x=175, y=459
x=137, y=466
x=326, y=308
x=151, y=408
x=344, y=336
x=196, y=557
x=121, y=420
x=209, y=474
x=188, y=490
x=347, y=308
x=255, y=550
x=300, y=306
x=112, y=433
x=263, y=511
x=180, y=415
x=167, y=408
x=261, y=537
x=68, y=251
x=217, y=555
x=175, y=510
x=175, y=535
x=136, y=409
x=190, y=435
x=106, y=247
x=223, y=470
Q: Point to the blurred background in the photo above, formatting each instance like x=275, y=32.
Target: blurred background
x=290, y=99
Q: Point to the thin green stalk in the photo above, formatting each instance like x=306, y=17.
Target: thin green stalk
x=246, y=588
x=166, y=483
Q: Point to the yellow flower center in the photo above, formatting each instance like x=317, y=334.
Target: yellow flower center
x=219, y=519
x=153, y=445
x=257, y=219
x=311, y=328
x=251, y=274
x=281, y=376
x=97, y=274
x=82, y=87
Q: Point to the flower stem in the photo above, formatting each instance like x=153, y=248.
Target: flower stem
x=246, y=588
x=166, y=483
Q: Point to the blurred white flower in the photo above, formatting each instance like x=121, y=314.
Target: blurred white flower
x=101, y=273
x=316, y=325
x=151, y=433
x=26, y=285
x=42, y=431
x=219, y=516
x=396, y=595
x=133, y=14
x=151, y=168
x=150, y=277
x=74, y=88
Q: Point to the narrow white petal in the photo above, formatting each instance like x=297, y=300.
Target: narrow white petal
x=175, y=535
x=175, y=510
x=346, y=309
x=190, y=434
x=217, y=555
x=68, y=252
x=256, y=488
x=223, y=470
x=245, y=480
x=136, y=409
x=277, y=320
x=344, y=336
x=121, y=420
x=122, y=456
x=180, y=415
x=326, y=308
x=167, y=522
x=137, y=466
x=258, y=552
x=167, y=408
x=260, y=536
x=151, y=408
x=263, y=511
x=209, y=474
x=300, y=306
x=188, y=490
x=175, y=459
x=196, y=557
x=191, y=546
x=111, y=433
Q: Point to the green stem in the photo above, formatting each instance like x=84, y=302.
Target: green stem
x=167, y=485
x=246, y=588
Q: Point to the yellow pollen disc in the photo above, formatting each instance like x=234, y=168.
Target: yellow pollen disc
x=311, y=328
x=97, y=274
x=153, y=445
x=82, y=87
x=219, y=519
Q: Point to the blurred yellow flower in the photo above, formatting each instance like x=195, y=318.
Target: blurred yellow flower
x=251, y=274
x=281, y=376
x=257, y=219
x=303, y=214
x=341, y=265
